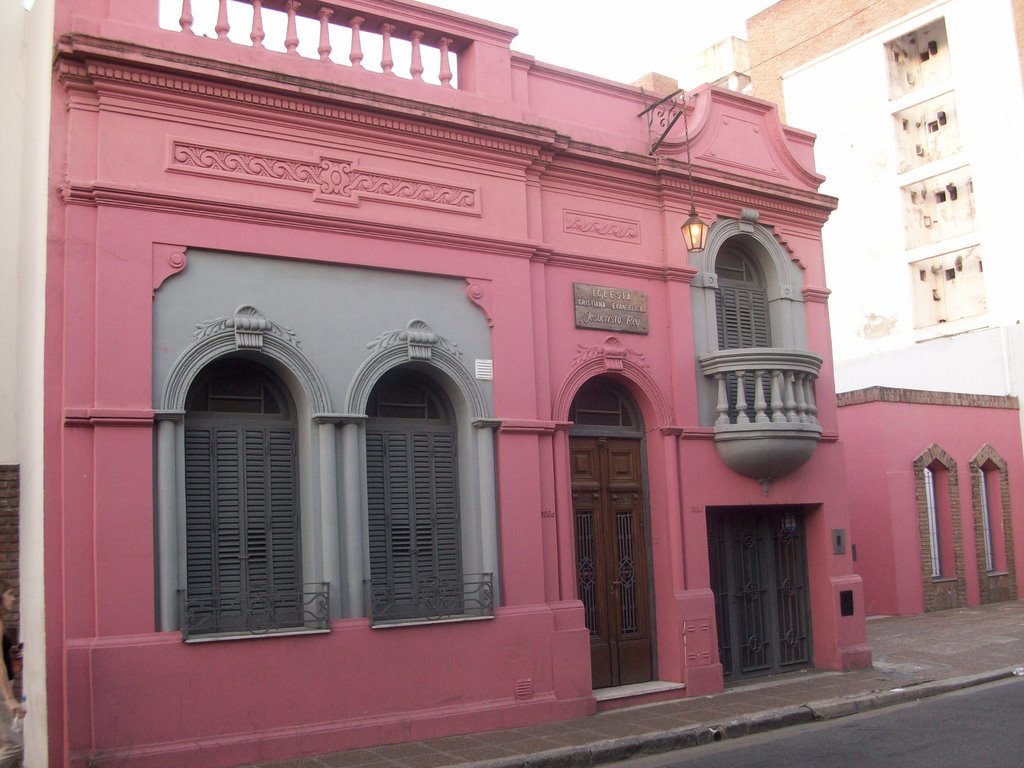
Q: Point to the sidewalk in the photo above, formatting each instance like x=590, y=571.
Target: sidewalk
x=914, y=657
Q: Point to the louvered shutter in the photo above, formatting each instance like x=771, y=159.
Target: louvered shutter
x=742, y=315
x=213, y=528
x=414, y=532
x=285, y=555
x=242, y=528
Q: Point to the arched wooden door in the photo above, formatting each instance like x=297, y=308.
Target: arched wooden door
x=611, y=541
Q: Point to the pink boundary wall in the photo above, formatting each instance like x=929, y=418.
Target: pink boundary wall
x=531, y=142
x=886, y=430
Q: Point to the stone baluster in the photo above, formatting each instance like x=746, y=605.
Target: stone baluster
x=760, y=406
x=291, y=37
x=798, y=392
x=445, y=75
x=791, y=416
x=778, y=415
x=416, y=68
x=812, y=406
x=741, y=399
x=324, y=49
x=387, y=61
x=356, y=53
x=222, y=27
x=723, y=401
x=185, y=20
x=257, y=34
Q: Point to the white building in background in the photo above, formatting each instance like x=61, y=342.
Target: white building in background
x=26, y=50
x=918, y=108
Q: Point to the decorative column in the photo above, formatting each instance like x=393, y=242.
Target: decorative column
x=330, y=532
x=387, y=61
x=485, y=429
x=167, y=515
x=352, y=429
x=291, y=37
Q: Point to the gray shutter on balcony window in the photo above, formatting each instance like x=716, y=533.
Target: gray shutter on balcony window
x=742, y=314
x=413, y=526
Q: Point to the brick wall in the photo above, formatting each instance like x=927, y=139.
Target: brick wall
x=793, y=32
x=9, y=506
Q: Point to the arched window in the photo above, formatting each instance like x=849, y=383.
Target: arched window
x=243, y=555
x=414, y=528
x=741, y=303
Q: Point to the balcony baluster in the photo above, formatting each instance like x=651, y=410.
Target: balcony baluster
x=223, y=27
x=416, y=68
x=387, y=60
x=291, y=37
x=355, y=55
x=257, y=34
x=324, y=49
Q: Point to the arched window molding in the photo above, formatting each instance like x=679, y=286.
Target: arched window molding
x=950, y=589
x=421, y=349
x=783, y=281
x=249, y=334
x=992, y=507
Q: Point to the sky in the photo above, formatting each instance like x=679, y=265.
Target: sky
x=621, y=43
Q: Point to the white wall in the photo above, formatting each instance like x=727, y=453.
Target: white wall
x=844, y=98
x=26, y=43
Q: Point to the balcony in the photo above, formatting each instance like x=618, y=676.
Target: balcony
x=207, y=615
x=430, y=600
x=767, y=424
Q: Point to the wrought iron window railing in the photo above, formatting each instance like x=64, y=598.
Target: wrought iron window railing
x=256, y=612
x=430, y=600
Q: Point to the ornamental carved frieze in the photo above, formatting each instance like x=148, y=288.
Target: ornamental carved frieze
x=250, y=327
x=606, y=227
x=612, y=352
x=420, y=340
x=330, y=179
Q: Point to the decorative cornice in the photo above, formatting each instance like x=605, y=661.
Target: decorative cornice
x=168, y=260
x=815, y=293
x=480, y=293
x=335, y=180
x=612, y=353
x=250, y=326
x=84, y=73
x=108, y=417
x=605, y=227
x=419, y=340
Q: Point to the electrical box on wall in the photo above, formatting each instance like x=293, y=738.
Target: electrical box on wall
x=839, y=541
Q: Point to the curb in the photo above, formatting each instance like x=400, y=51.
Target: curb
x=629, y=747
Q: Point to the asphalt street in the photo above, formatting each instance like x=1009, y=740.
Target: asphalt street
x=973, y=727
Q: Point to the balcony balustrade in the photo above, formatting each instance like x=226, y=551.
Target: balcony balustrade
x=312, y=29
x=257, y=612
x=767, y=420
x=439, y=599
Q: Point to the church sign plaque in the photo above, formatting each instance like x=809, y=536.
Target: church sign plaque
x=610, y=309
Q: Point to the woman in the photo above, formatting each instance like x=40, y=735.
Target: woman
x=10, y=740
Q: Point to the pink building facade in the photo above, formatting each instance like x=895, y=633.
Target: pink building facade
x=936, y=486
x=384, y=401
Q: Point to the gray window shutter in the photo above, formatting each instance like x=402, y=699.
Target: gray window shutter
x=742, y=317
x=242, y=528
x=414, y=532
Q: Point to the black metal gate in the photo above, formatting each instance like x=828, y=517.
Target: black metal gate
x=758, y=563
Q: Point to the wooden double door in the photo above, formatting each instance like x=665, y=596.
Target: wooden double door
x=611, y=557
